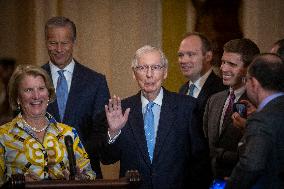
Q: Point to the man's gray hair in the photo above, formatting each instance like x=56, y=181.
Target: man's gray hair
x=146, y=49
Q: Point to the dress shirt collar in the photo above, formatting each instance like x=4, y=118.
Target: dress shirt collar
x=238, y=92
x=158, y=99
x=68, y=73
x=69, y=68
x=268, y=99
x=199, y=83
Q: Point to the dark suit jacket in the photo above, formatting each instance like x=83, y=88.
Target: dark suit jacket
x=212, y=85
x=223, y=146
x=87, y=96
x=262, y=150
x=177, y=149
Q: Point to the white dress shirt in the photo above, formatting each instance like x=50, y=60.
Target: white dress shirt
x=156, y=111
x=199, y=83
x=68, y=73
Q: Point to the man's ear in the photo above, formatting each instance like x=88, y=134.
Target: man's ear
x=165, y=73
x=133, y=74
x=255, y=84
x=208, y=56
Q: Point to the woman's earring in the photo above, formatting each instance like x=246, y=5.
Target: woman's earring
x=18, y=110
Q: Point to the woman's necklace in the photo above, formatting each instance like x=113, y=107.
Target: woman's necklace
x=34, y=128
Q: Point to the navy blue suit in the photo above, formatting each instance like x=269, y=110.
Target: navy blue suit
x=212, y=85
x=177, y=149
x=86, y=99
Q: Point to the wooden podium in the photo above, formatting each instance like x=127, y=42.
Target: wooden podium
x=131, y=180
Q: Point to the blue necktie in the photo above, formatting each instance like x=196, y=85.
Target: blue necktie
x=149, y=129
x=191, y=89
x=61, y=93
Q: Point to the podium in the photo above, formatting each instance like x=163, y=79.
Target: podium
x=130, y=181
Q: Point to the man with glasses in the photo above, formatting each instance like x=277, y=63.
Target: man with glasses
x=223, y=137
x=154, y=131
x=238, y=121
x=261, y=150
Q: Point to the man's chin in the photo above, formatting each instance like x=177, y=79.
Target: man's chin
x=226, y=82
x=60, y=64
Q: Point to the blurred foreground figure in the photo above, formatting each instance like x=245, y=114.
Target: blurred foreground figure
x=261, y=161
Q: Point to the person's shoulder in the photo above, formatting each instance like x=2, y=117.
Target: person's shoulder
x=131, y=99
x=219, y=94
x=215, y=99
x=263, y=123
x=46, y=65
x=88, y=71
x=65, y=129
x=179, y=98
x=215, y=82
x=183, y=88
x=270, y=115
x=7, y=127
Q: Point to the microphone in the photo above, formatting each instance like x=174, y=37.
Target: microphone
x=72, y=161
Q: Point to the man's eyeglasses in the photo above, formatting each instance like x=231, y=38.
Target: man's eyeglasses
x=145, y=68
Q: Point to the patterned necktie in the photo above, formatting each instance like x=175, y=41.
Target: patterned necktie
x=61, y=93
x=191, y=89
x=149, y=129
x=229, y=110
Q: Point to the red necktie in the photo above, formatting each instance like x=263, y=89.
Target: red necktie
x=228, y=112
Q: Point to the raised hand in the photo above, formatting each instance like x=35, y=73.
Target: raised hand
x=115, y=118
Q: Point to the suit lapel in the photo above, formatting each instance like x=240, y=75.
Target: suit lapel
x=207, y=87
x=76, y=87
x=184, y=88
x=137, y=125
x=229, y=122
x=218, y=111
x=167, y=117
